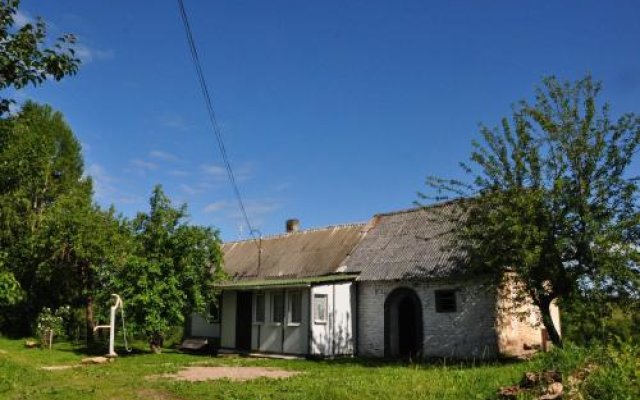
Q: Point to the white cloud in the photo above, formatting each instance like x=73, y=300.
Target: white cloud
x=282, y=186
x=103, y=183
x=219, y=173
x=192, y=190
x=216, y=171
x=258, y=211
x=162, y=155
x=86, y=147
x=106, y=189
x=178, y=172
x=198, y=188
x=22, y=18
x=144, y=165
x=215, y=206
x=87, y=54
x=126, y=199
x=174, y=122
x=257, y=208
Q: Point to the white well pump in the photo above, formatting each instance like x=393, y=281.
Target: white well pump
x=112, y=326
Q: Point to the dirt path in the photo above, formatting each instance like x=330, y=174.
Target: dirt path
x=196, y=374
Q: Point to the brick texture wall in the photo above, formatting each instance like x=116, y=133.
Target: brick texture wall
x=468, y=333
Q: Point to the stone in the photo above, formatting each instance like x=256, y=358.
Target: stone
x=509, y=392
x=554, y=391
x=529, y=380
x=97, y=360
x=549, y=377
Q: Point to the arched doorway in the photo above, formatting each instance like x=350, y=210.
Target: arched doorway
x=402, y=324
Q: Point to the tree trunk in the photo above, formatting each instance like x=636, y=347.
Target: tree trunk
x=90, y=321
x=155, y=343
x=547, y=321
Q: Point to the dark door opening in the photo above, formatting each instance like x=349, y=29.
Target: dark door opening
x=243, y=321
x=402, y=324
x=407, y=345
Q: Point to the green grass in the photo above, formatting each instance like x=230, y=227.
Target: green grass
x=127, y=378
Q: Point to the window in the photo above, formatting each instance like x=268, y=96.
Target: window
x=319, y=308
x=445, y=301
x=277, y=307
x=214, y=309
x=258, y=315
x=295, y=307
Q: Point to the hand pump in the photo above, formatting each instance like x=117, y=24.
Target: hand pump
x=112, y=325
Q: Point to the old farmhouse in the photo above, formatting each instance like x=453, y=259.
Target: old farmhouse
x=386, y=288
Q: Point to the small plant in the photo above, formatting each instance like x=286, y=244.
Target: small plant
x=50, y=323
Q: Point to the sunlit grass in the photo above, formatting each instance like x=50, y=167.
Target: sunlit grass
x=21, y=377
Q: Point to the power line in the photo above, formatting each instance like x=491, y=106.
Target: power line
x=212, y=115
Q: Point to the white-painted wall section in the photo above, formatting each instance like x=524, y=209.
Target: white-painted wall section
x=228, y=324
x=200, y=326
x=332, y=333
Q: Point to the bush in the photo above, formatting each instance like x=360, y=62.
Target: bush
x=598, y=371
x=50, y=323
x=617, y=375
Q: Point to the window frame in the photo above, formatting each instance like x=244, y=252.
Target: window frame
x=325, y=299
x=290, y=297
x=255, y=308
x=282, y=309
x=446, y=307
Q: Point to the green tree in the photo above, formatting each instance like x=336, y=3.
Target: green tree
x=10, y=289
x=171, y=272
x=24, y=58
x=80, y=243
x=551, y=199
x=40, y=161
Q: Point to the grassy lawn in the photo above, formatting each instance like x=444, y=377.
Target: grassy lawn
x=21, y=377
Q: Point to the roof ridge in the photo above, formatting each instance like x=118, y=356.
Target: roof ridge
x=418, y=208
x=279, y=235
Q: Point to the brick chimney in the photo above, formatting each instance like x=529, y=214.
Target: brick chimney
x=292, y=225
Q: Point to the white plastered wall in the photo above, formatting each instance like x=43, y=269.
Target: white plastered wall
x=228, y=324
x=334, y=336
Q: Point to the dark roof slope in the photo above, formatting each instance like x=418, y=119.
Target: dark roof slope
x=299, y=254
x=409, y=244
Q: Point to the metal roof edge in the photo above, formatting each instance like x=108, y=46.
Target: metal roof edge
x=286, y=282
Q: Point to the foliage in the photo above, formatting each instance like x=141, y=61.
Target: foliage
x=170, y=273
x=599, y=371
x=40, y=163
x=585, y=322
x=551, y=199
x=10, y=290
x=24, y=57
x=51, y=323
x=82, y=242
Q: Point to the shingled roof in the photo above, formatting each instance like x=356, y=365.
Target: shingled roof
x=300, y=254
x=403, y=245
x=407, y=245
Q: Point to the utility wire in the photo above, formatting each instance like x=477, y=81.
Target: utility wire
x=212, y=115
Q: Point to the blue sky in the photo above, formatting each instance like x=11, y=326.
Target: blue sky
x=331, y=111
